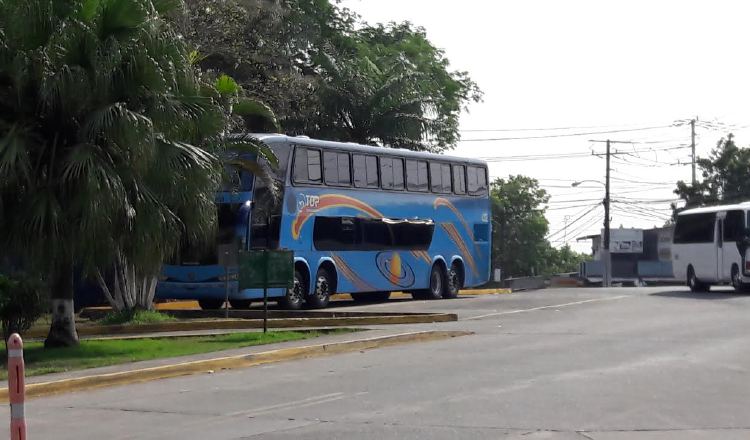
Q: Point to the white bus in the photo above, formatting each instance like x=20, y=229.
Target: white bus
x=710, y=247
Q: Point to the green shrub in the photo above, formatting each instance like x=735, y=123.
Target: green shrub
x=23, y=299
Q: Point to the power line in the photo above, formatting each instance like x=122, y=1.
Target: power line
x=571, y=154
x=518, y=138
x=550, y=235
x=580, y=127
x=586, y=226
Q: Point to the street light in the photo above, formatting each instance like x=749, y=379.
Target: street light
x=577, y=183
x=606, y=257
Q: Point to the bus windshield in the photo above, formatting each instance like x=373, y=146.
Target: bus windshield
x=236, y=180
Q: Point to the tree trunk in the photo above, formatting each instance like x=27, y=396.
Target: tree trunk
x=62, y=331
x=128, y=288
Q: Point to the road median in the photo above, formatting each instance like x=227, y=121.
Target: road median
x=225, y=363
x=330, y=319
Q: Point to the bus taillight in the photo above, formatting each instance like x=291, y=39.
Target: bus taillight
x=747, y=266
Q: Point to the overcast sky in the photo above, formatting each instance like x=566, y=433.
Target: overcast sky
x=601, y=64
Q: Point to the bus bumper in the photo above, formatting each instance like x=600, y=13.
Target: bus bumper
x=210, y=290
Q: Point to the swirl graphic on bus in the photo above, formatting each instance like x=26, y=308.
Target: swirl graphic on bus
x=309, y=205
x=396, y=271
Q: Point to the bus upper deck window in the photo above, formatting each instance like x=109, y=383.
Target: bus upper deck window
x=459, y=179
x=392, y=173
x=476, y=180
x=307, y=166
x=365, y=171
x=416, y=176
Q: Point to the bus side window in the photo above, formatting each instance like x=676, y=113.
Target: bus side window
x=307, y=166
x=392, y=173
x=336, y=168
x=445, y=170
x=365, y=171
x=440, y=177
x=459, y=179
x=477, y=180
x=734, y=226
x=695, y=228
x=416, y=176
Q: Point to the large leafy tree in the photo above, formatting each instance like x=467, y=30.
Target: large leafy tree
x=388, y=85
x=519, y=226
x=328, y=75
x=267, y=46
x=108, y=137
x=725, y=176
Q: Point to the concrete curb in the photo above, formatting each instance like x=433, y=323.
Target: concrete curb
x=225, y=363
x=239, y=324
x=189, y=305
x=494, y=291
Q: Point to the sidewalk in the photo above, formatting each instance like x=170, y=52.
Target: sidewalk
x=328, y=339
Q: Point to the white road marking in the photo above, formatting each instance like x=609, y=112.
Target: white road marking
x=510, y=312
x=290, y=405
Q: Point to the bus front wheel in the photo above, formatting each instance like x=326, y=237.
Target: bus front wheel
x=324, y=288
x=695, y=284
x=295, y=297
x=737, y=283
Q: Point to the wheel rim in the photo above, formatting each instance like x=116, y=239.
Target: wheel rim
x=295, y=294
x=322, y=288
x=453, y=281
x=736, y=278
x=436, y=283
x=691, y=279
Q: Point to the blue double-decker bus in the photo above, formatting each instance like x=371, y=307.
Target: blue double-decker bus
x=361, y=220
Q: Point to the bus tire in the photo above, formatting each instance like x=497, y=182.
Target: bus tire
x=240, y=304
x=210, y=304
x=437, y=285
x=453, y=282
x=737, y=283
x=694, y=283
x=371, y=296
x=323, y=289
x=295, y=297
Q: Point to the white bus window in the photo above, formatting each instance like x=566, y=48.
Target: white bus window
x=695, y=228
x=734, y=225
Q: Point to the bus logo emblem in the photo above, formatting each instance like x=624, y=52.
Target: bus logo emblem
x=307, y=202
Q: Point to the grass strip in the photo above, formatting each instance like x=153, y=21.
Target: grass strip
x=136, y=317
x=100, y=353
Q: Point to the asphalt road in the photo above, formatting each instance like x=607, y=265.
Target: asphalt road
x=603, y=364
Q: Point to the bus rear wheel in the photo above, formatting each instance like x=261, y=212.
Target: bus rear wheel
x=210, y=304
x=454, y=282
x=240, y=304
x=295, y=296
x=324, y=288
x=437, y=284
x=695, y=284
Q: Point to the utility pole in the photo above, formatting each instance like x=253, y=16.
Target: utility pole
x=566, y=219
x=607, y=278
x=692, y=146
x=606, y=256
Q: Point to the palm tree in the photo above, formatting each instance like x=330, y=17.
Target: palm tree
x=109, y=143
